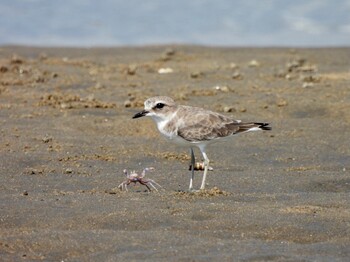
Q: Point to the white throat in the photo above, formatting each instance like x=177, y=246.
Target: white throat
x=162, y=121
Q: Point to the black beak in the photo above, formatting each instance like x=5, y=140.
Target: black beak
x=140, y=114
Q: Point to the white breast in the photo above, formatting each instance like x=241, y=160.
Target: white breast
x=170, y=134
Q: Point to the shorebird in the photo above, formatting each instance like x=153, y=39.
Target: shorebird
x=194, y=127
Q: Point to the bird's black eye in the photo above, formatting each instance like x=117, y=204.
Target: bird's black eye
x=160, y=105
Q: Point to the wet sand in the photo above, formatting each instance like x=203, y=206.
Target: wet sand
x=67, y=134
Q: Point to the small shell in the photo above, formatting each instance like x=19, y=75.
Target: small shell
x=282, y=103
x=307, y=85
x=234, y=66
x=196, y=74
x=237, y=75
x=166, y=70
x=229, y=109
x=224, y=89
x=200, y=166
x=253, y=63
x=131, y=69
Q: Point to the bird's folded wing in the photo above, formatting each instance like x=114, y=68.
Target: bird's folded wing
x=207, y=127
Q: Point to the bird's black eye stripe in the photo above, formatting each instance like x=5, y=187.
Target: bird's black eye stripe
x=160, y=105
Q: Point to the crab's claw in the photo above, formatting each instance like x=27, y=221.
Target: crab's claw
x=145, y=170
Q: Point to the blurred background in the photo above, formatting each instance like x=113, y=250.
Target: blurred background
x=89, y=23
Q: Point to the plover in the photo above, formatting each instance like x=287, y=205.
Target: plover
x=194, y=126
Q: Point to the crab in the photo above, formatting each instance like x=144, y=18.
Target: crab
x=133, y=177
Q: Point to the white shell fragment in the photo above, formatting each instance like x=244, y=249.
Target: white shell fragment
x=166, y=70
x=253, y=63
x=222, y=88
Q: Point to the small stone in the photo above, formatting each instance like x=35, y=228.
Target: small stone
x=3, y=69
x=47, y=139
x=307, y=85
x=98, y=85
x=65, y=106
x=282, y=103
x=127, y=103
x=25, y=193
x=42, y=56
x=166, y=70
x=224, y=89
x=288, y=77
x=295, y=64
x=68, y=171
x=33, y=172
x=131, y=70
x=307, y=68
x=280, y=73
x=237, y=75
x=233, y=66
x=131, y=97
x=93, y=71
x=253, y=63
x=196, y=74
x=181, y=96
x=243, y=109
x=167, y=54
x=90, y=98
x=15, y=59
x=310, y=79
x=228, y=109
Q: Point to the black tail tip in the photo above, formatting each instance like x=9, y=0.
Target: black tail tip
x=264, y=126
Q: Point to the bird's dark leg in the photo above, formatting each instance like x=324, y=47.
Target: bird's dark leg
x=192, y=169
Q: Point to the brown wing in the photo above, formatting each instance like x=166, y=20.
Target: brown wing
x=204, y=125
x=207, y=125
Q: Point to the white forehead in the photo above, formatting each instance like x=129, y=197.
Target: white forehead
x=151, y=102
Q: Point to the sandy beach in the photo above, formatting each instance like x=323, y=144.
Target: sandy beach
x=67, y=133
